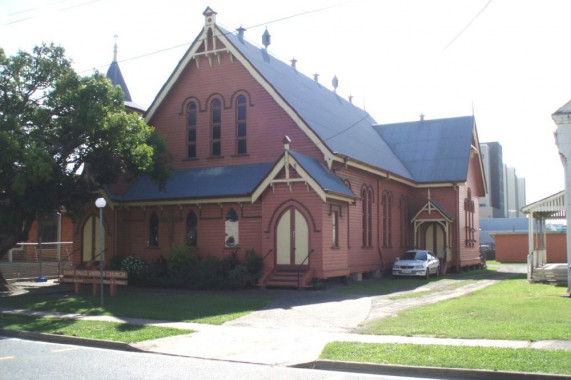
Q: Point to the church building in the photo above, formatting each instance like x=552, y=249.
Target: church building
x=268, y=159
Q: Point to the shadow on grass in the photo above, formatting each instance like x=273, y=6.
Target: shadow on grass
x=217, y=307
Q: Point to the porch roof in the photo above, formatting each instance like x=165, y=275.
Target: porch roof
x=210, y=182
x=552, y=207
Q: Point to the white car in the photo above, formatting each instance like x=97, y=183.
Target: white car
x=416, y=262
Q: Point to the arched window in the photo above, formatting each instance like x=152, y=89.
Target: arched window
x=241, y=125
x=367, y=211
x=387, y=203
x=216, y=127
x=232, y=231
x=191, y=130
x=403, y=205
x=154, y=230
x=469, y=209
x=191, y=229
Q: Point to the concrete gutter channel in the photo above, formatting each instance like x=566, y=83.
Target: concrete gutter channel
x=316, y=322
x=325, y=365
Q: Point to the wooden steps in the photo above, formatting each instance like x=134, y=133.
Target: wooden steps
x=289, y=279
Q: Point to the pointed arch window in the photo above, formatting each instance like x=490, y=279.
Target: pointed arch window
x=469, y=210
x=241, y=125
x=367, y=212
x=403, y=205
x=387, y=202
x=216, y=128
x=154, y=230
x=191, y=229
x=191, y=130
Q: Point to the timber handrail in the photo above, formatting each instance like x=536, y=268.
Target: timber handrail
x=267, y=254
x=302, y=263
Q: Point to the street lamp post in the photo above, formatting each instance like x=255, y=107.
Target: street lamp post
x=100, y=203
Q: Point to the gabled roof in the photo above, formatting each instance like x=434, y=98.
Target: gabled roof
x=432, y=206
x=340, y=125
x=210, y=182
x=310, y=171
x=432, y=150
x=329, y=182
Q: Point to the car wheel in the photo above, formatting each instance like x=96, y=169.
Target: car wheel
x=427, y=273
x=437, y=273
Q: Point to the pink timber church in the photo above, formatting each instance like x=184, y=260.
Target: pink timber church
x=268, y=159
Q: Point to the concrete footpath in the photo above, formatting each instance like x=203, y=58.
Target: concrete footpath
x=295, y=327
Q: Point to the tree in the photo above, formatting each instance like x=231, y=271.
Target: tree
x=63, y=137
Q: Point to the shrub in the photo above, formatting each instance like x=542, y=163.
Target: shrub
x=254, y=264
x=136, y=267
x=181, y=259
x=114, y=262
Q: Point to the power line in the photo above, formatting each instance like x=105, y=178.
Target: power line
x=31, y=11
x=467, y=25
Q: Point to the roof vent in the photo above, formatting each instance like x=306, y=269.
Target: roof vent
x=316, y=77
x=293, y=62
x=351, y=99
x=266, y=38
x=335, y=83
x=241, y=31
x=421, y=116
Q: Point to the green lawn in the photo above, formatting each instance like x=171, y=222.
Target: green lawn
x=500, y=359
x=119, y=332
x=379, y=287
x=511, y=309
x=206, y=307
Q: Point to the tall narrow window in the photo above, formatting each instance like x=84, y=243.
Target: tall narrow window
x=387, y=203
x=469, y=210
x=241, y=126
x=403, y=221
x=191, y=229
x=335, y=228
x=232, y=231
x=154, y=230
x=367, y=211
x=216, y=127
x=48, y=230
x=191, y=131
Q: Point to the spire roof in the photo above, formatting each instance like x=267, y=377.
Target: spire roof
x=114, y=74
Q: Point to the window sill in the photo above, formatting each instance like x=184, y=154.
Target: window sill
x=240, y=155
x=214, y=157
x=190, y=159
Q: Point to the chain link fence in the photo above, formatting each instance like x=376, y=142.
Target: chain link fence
x=36, y=261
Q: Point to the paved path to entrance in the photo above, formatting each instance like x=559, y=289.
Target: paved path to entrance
x=295, y=326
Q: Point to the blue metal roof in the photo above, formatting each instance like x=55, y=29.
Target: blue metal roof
x=218, y=181
x=114, y=74
x=432, y=150
x=343, y=127
x=328, y=181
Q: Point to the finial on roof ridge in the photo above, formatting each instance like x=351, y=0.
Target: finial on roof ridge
x=335, y=83
x=266, y=38
x=115, y=48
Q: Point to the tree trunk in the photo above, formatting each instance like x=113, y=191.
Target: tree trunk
x=4, y=286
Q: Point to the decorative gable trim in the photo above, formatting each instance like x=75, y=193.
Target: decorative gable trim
x=287, y=163
x=425, y=213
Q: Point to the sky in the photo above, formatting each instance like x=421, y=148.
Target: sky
x=504, y=61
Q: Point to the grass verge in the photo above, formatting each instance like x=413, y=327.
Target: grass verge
x=494, y=359
x=511, y=309
x=209, y=308
x=118, y=332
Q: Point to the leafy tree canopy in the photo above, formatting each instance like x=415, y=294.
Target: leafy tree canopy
x=62, y=138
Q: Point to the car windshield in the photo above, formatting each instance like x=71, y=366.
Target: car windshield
x=413, y=255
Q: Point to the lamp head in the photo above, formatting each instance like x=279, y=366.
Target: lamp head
x=100, y=202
